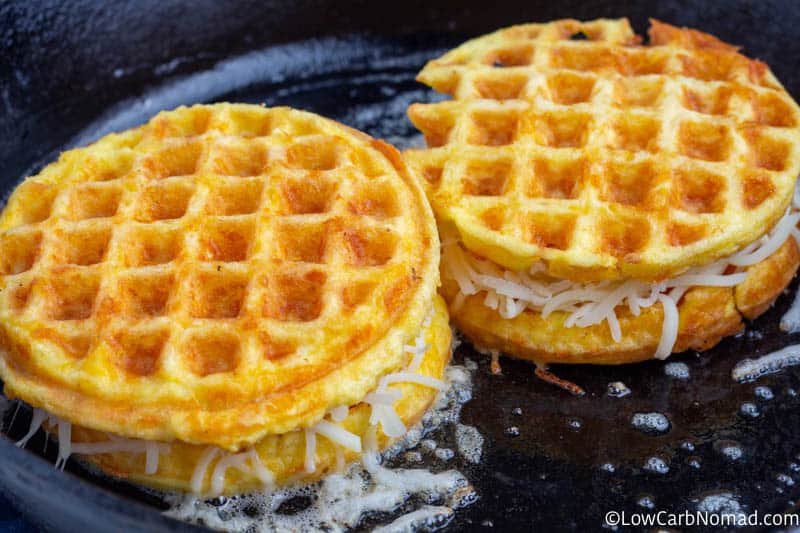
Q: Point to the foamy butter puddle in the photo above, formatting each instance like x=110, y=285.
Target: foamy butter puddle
x=410, y=499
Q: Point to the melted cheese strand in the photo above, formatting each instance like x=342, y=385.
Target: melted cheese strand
x=201, y=468
x=310, y=463
x=37, y=419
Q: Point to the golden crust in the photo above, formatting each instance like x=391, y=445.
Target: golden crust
x=603, y=158
x=213, y=276
x=706, y=316
x=283, y=454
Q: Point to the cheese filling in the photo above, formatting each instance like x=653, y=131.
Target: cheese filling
x=382, y=401
x=510, y=293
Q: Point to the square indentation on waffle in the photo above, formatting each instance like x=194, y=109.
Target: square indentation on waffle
x=84, y=244
x=139, y=295
x=275, y=348
x=560, y=178
x=19, y=250
x=500, y=85
x=147, y=245
x=32, y=202
x=93, y=200
x=16, y=295
x=493, y=127
x=435, y=121
x=622, y=235
x=181, y=158
x=487, y=177
x=493, y=218
x=182, y=122
x=757, y=186
x=317, y=152
x=770, y=109
x=69, y=296
x=558, y=129
x=225, y=240
x=301, y=241
x=313, y=193
x=293, y=295
x=238, y=157
x=216, y=294
x=105, y=167
x=358, y=293
x=211, y=351
x=229, y=197
x=704, y=140
x=510, y=55
x=635, y=133
x=682, y=234
x=578, y=58
x=374, y=199
x=710, y=66
x=164, y=200
x=699, y=191
x=549, y=230
x=632, y=183
x=252, y=123
x=568, y=88
x=707, y=100
x=764, y=150
x=634, y=62
x=367, y=245
x=138, y=352
x=637, y=92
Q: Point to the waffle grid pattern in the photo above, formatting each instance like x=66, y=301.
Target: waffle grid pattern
x=602, y=156
x=215, y=243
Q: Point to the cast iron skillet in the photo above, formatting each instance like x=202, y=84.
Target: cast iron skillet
x=69, y=73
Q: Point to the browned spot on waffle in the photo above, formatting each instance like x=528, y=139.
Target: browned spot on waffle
x=216, y=294
x=211, y=353
x=630, y=184
x=275, y=349
x=487, y=178
x=624, y=237
x=19, y=251
x=138, y=353
x=553, y=178
x=756, y=188
x=313, y=194
x=685, y=234
x=568, y=88
x=698, y=191
x=549, y=232
x=294, y=297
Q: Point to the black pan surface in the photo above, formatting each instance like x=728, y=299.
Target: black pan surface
x=69, y=74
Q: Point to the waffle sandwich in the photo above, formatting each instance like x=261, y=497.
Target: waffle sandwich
x=227, y=296
x=603, y=201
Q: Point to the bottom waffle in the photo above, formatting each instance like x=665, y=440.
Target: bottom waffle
x=706, y=316
x=278, y=459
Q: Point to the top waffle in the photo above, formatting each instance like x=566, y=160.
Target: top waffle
x=221, y=273
x=569, y=142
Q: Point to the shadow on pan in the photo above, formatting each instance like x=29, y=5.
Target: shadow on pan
x=74, y=72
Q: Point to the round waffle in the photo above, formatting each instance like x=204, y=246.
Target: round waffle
x=706, y=316
x=282, y=455
x=572, y=144
x=221, y=273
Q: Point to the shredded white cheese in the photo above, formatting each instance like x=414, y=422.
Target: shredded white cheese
x=510, y=293
x=114, y=444
x=382, y=402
